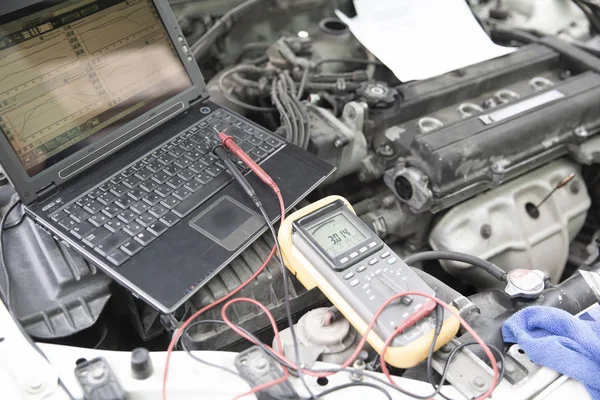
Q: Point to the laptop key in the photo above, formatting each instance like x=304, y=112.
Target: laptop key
x=193, y=155
x=181, y=194
x=133, y=228
x=158, y=211
x=214, y=170
x=186, y=175
x=125, y=202
x=163, y=190
x=193, y=185
x=69, y=209
x=119, y=190
x=82, y=230
x=254, y=141
x=169, y=219
x=140, y=207
x=58, y=216
x=183, y=163
x=149, y=185
x=107, y=198
x=145, y=238
x=127, y=216
x=161, y=177
x=80, y=215
x=146, y=220
x=198, y=198
x=177, y=152
x=197, y=167
x=166, y=159
x=157, y=228
x=175, y=182
x=128, y=172
x=132, y=182
x=96, y=237
x=117, y=257
x=112, y=243
x=144, y=174
x=98, y=220
x=170, y=202
x=152, y=199
x=132, y=247
x=93, y=207
x=114, y=225
x=172, y=170
x=139, y=165
x=204, y=178
x=137, y=194
x=68, y=224
x=111, y=211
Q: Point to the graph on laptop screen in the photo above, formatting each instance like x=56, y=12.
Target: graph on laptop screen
x=72, y=73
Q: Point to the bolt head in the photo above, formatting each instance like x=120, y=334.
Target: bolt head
x=498, y=168
x=581, y=132
x=486, y=231
x=478, y=382
x=351, y=113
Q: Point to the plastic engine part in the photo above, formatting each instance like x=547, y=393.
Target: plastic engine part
x=54, y=291
x=268, y=289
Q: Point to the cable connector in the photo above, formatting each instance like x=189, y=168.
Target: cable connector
x=421, y=313
x=229, y=143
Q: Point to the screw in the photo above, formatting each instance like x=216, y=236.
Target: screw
x=350, y=112
x=359, y=366
x=486, y=231
x=581, y=132
x=386, y=150
x=478, y=382
x=575, y=188
x=498, y=168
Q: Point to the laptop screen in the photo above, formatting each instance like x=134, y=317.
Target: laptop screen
x=72, y=73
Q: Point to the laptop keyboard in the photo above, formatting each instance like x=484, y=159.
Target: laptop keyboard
x=128, y=211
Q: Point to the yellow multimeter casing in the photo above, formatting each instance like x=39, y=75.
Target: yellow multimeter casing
x=310, y=276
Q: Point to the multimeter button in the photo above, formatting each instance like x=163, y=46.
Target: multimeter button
x=344, y=260
x=373, y=261
x=372, y=244
x=354, y=282
x=385, y=255
x=392, y=260
x=361, y=268
x=349, y=275
x=354, y=255
x=363, y=249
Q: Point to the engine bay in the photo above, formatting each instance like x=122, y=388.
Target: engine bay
x=497, y=160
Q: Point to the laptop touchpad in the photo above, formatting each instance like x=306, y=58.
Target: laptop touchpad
x=228, y=223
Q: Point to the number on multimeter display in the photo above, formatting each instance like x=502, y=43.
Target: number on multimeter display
x=336, y=235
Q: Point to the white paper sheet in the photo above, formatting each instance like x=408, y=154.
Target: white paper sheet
x=419, y=39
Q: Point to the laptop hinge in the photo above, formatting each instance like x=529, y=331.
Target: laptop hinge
x=46, y=191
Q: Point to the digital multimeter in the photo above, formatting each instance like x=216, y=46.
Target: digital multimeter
x=327, y=246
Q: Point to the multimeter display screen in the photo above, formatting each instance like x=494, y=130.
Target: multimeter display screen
x=336, y=235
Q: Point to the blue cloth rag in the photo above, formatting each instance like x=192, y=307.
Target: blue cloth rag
x=558, y=340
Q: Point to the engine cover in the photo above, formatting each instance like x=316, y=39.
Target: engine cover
x=525, y=113
x=499, y=226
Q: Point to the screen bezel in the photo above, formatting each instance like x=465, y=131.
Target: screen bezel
x=338, y=207
x=29, y=187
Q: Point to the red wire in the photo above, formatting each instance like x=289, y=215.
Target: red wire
x=177, y=334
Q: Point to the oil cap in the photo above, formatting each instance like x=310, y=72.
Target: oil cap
x=525, y=283
x=141, y=364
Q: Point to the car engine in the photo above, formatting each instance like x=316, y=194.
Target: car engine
x=498, y=160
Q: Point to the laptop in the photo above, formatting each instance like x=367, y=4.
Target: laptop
x=107, y=132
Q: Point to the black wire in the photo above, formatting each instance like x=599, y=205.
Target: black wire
x=286, y=297
x=455, y=351
x=485, y=265
x=3, y=264
x=589, y=13
x=234, y=100
x=303, y=83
